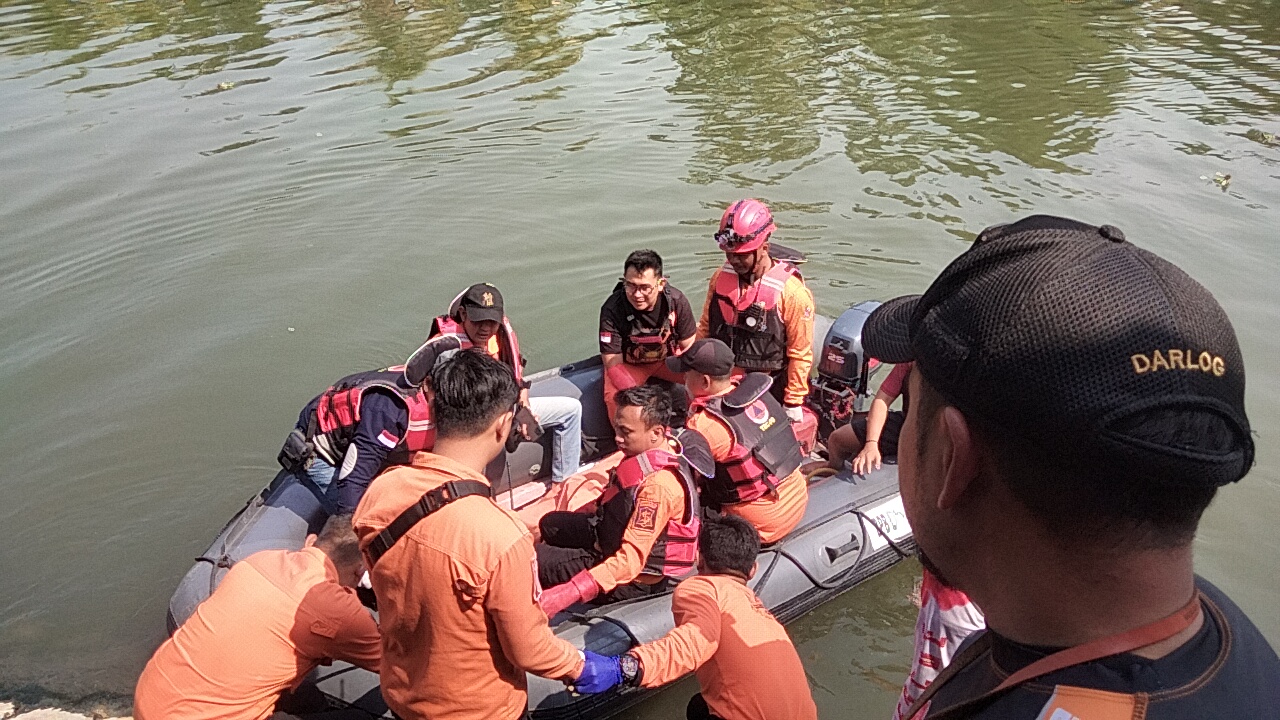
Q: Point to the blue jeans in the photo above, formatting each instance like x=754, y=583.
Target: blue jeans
x=563, y=417
x=320, y=473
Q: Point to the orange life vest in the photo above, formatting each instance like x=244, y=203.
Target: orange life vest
x=749, y=322
x=338, y=412
x=508, y=345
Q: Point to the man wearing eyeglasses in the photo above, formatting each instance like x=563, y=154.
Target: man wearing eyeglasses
x=642, y=323
x=760, y=307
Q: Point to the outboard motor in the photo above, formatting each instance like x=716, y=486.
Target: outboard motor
x=844, y=370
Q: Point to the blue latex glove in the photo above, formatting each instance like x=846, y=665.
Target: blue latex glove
x=599, y=673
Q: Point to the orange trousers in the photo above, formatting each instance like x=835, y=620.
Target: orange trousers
x=625, y=375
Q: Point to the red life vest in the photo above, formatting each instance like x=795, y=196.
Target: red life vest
x=675, y=553
x=765, y=449
x=642, y=344
x=338, y=412
x=750, y=322
x=508, y=345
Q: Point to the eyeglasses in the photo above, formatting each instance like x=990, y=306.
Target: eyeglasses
x=639, y=289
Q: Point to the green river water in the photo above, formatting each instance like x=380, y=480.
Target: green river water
x=209, y=209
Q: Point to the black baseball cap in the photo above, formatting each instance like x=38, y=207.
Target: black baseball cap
x=1064, y=335
x=483, y=302
x=708, y=356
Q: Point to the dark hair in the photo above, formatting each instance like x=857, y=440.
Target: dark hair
x=1085, y=501
x=728, y=544
x=469, y=391
x=653, y=400
x=641, y=260
x=337, y=539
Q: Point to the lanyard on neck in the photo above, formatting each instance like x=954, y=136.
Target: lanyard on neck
x=1124, y=642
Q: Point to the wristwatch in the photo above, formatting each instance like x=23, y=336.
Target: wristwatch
x=632, y=671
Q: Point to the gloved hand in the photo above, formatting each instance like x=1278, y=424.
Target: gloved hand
x=794, y=412
x=599, y=673
x=580, y=588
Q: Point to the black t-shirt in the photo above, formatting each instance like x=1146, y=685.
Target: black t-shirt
x=1227, y=670
x=618, y=317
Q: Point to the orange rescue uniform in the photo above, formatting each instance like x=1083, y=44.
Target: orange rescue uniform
x=662, y=492
x=744, y=660
x=275, y=617
x=456, y=597
x=796, y=308
x=773, y=515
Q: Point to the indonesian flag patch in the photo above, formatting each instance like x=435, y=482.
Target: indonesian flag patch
x=606, y=338
x=386, y=438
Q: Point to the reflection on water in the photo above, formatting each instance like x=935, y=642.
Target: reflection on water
x=214, y=208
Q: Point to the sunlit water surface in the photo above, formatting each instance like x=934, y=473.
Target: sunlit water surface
x=212, y=209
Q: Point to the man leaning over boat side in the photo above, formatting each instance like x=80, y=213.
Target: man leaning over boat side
x=757, y=457
x=1076, y=404
x=457, y=588
x=641, y=536
x=276, y=616
x=760, y=307
x=744, y=660
x=644, y=321
x=476, y=318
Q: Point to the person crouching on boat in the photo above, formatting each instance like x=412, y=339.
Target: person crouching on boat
x=453, y=571
x=745, y=662
x=642, y=536
x=476, y=319
x=643, y=322
x=275, y=617
x=760, y=307
x=349, y=433
x=757, y=457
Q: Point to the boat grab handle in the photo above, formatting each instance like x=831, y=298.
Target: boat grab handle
x=835, y=553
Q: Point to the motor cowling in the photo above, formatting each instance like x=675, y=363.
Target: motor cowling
x=844, y=370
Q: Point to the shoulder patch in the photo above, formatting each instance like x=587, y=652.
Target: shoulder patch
x=1077, y=703
x=645, y=516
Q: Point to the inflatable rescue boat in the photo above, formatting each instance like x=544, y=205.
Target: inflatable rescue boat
x=854, y=528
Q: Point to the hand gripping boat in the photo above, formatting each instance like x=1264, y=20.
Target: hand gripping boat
x=854, y=528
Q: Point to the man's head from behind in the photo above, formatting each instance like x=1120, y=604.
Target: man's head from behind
x=707, y=367
x=1059, y=367
x=642, y=419
x=728, y=545
x=338, y=540
x=473, y=396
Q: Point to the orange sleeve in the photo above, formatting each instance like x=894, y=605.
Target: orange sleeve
x=797, y=317
x=663, y=495
x=717, y=434
x=341, y=628
x=521, y=626
x=694, y=640
x=704, y=322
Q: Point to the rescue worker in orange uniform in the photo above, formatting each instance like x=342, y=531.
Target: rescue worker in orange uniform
x=742, y=656
x=476, y=319
x=757, y=457
x=275, y=617
x=642, y=536
x=643, y=322
x=760, y=307
x=455, y=574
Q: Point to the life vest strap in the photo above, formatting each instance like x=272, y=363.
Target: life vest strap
x=430, y=502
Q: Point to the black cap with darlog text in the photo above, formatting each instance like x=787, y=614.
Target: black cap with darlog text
x=1065, y=335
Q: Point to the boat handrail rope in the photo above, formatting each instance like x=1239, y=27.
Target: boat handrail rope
x=835, y=580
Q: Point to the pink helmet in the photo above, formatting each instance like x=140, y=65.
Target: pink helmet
x=745, y=226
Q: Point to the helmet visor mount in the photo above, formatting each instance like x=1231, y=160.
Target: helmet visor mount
x=730, y=241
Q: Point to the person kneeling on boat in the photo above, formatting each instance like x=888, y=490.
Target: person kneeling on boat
x=454, y=572
x=643, y=322
x=476, y=319
x=275, y=617
x=757, y=457
x=642, y=536
x=742, y=656
x=349, y=433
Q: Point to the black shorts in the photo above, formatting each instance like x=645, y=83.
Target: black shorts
x=888, y=436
